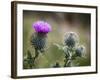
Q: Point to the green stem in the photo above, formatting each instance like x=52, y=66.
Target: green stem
x=67, y=63
x=36, y=55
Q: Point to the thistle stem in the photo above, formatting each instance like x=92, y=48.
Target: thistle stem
x=36, y=55
x=67, y=63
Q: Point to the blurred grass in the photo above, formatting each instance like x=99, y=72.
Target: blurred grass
x=53, y=54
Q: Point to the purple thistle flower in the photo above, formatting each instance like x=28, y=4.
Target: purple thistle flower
x=41, y=27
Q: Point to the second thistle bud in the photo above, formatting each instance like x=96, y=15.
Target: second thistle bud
x=80, y=50
x=71, y=39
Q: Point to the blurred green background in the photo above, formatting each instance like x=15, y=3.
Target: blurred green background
x=61, y=23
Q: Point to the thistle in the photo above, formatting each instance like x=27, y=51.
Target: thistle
x=71, y=48
x=38, y=39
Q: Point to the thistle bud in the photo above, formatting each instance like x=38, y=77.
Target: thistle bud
x=80, y=51
x=71, y=39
